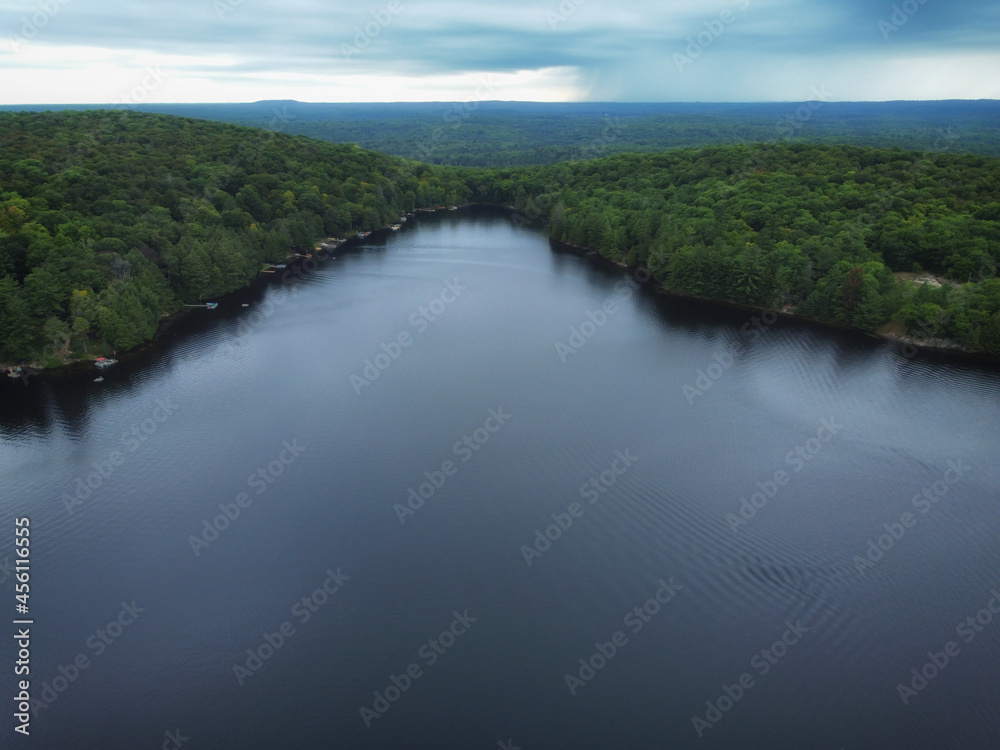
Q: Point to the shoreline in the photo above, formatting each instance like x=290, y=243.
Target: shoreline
x=324, y=250
x=938, y=346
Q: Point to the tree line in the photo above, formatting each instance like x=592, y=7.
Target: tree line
x=111, y=220
x=838, y=233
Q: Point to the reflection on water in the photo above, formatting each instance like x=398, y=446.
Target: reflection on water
x=185, y=441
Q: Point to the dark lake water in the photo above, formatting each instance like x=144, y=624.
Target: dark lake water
x=310, y=521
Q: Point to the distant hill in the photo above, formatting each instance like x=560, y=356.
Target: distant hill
x=502, y=134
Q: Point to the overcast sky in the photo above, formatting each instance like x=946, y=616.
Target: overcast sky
x=102, y=51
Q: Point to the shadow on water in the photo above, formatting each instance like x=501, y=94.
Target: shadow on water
x=40, y=401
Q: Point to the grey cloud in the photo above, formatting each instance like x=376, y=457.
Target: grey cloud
x=622, y=51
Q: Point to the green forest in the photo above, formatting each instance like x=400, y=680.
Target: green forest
x=483, y=133
x=828, y=232
x=112, y=220
x=496, y=134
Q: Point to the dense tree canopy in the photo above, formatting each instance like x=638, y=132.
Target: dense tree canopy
x=482, y=133
x=110, y=220
x=817, y=229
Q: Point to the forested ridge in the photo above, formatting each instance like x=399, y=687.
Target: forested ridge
x=498, y=134
x=111, y=220
x=818, y=230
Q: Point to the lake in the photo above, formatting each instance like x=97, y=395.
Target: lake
x=459, y=488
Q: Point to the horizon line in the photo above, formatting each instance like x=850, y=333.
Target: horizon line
x=484, y=101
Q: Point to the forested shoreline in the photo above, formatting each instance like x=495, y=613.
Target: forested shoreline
x=876, y=239
x=110, y=221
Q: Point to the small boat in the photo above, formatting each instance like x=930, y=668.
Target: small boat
x=246, y=304
x=211, y=305
x=104, y=363
x=14, y=372
x=452, y=208
x=395, y=227
x=277, y=265
x=99, y=379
